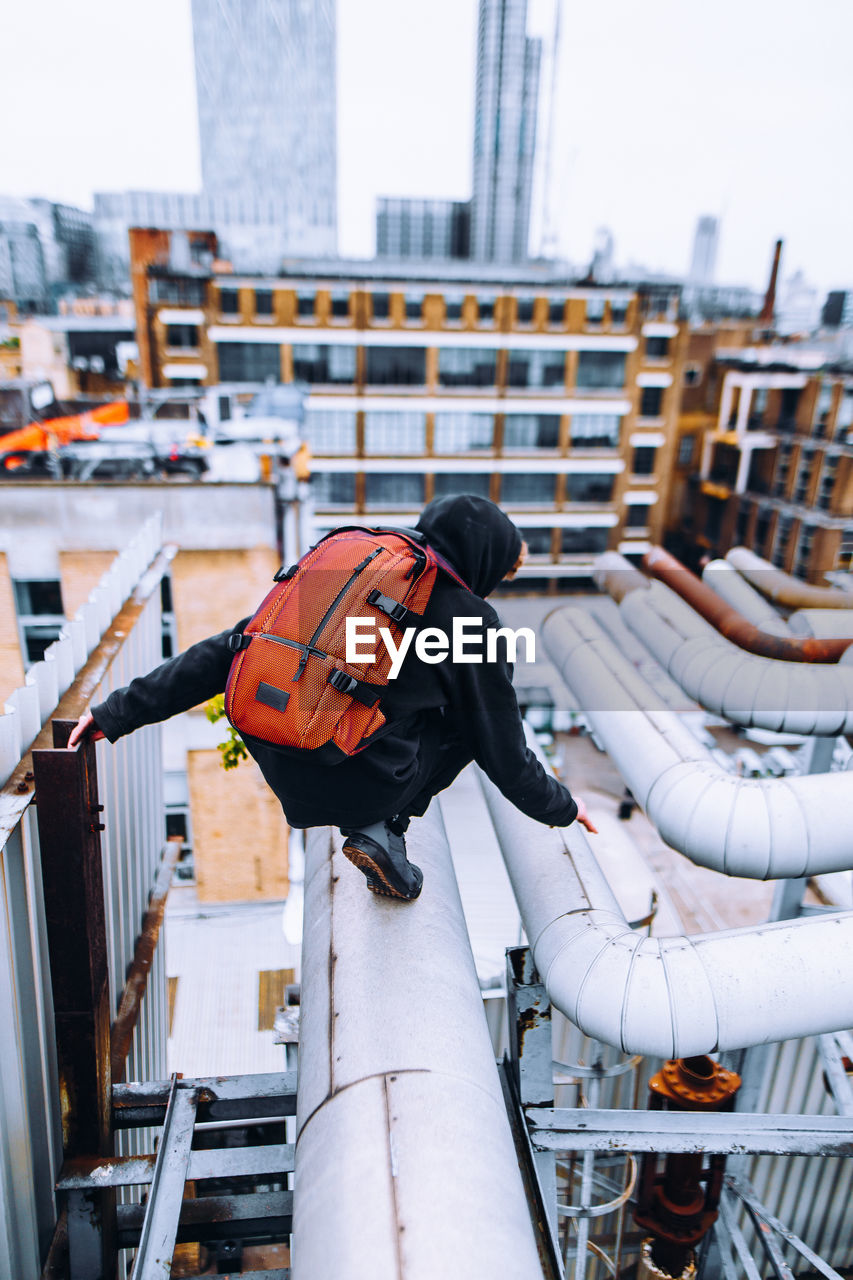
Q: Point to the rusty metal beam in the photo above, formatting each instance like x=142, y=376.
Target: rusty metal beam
x=17, y=793
x=121, y=1033
x=733, y=625
x=75, y=918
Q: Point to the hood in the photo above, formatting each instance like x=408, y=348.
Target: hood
x=481, y=543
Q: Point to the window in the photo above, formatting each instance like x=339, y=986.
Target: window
x=229, y=302
x=333, y=488
x=340, y=304
x=762, y=526
x=595, y=310
x=538, y=539
x=804, y=473
x=182, y=335
x=486, y=308
x=462, y=432
x=323, y=364
x=557, y=311
x=38, y=602
x=448, y=484
x=589, y=486
x=330, y=430
x=637, y=515
x=822, y=408
x=249, y=361
x=263, y=302
x=305, y=304
x=651, y=402
x=396, y=366
x=686, y=449
x=453, y=307
x=657, y=348
x=380, y=306
x=827, y=482
x=643, y=461
x=394, y=432
x=692, y=375
x=531, y=489
x=524, y=310
x=783, y=463
x=536, y=369
x=531, y=431
x=802, y=555
x=414, y=307
x=183, y=293
x=844, y=417
x=783, y=537
x=618, y=312
x=466, y=367
x=595, y=430
x=602, y=370
x=583, y=541
x=169, y=631
x=393, y=489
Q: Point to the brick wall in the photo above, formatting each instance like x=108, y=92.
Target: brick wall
x=211, y=590
x=11, y=665
x=80, y=572
x=239, y=832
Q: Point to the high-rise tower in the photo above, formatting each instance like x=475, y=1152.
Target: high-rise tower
x=265, y=80
x=703, y=260
x=504, y=131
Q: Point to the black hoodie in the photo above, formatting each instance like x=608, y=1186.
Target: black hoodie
x=470, y=704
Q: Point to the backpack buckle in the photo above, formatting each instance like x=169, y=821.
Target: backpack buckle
x=393, y=609
x=282, y=574
x=342, y=682
x=238, y=640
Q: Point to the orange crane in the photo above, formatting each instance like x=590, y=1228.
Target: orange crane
x=41, y=437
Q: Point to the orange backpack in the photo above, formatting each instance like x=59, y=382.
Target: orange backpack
x=290, y=685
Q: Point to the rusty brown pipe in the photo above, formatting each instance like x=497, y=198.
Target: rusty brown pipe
x=733, y=625
x=781, y=588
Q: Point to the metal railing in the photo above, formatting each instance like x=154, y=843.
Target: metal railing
x=113, y=637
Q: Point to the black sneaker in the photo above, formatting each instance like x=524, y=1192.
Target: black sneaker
x=388, y=871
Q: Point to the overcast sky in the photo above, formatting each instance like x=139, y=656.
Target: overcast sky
x=665, y=109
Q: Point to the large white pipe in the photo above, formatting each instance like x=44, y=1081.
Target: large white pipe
x=782, y=587
x=405, y=1166
x=724, y=578
x=791, y=697
x=668, y=997
x=765, y=828
x=830, y=624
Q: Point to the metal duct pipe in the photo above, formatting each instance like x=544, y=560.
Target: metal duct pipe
x=617, y=576
x=730, y=623
x=791, y=697
x=764, y=829
x=821, y=622
x=668, y=997
x=404, y=1157
x=724, y=578
x=781, y=588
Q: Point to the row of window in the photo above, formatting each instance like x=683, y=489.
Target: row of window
x=384, y=488
x=458, y=367
x=385, y=432
x=339, y=306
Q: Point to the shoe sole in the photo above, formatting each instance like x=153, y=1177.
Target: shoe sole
x=377, y=881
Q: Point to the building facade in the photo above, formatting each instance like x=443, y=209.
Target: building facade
x=423, y=229
x=506, y=103
x=765, y=456
x=557, y=401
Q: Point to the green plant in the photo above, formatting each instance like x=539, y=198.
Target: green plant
x=233, y=750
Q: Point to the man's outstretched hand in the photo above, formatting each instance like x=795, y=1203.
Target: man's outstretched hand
x=86, y=724
x=583, y=817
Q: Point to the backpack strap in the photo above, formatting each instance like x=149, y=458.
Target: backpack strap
x=367, y=694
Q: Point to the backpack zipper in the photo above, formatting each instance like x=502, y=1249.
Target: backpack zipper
x=307, y=649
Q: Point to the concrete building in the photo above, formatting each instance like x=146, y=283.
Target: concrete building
x=265, y=81
x=765, y=454
x=507, y=94
x=558, y=401
x=422, y=229
x=46, y=249
x=703, y=259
